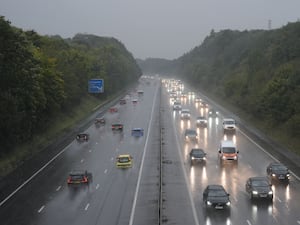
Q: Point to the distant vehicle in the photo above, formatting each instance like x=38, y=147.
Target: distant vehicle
x=229, y=125
x=177, y=106
x=215, y=197
x=122, y=101
x=137, y=132
x=134, y=101
x=140, y=92
x=190, y=134
x=185, y=114
x=124, y=161
x=113, y=109
x=201, y=121
x=204, y=104
x=277, y=171
x=197, y=155
x=183, y=95
x=100, y=120
x=198, y=100
x=79, y=177
x=213, y=113
x=228, y=151
x=117, y=127
x=82, y=137
x=259, y=188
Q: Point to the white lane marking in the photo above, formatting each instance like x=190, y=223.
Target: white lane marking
x=112, y=158
x=34, y=175
x=248, y=222
x=261, y=148
x=298, y=221
x=97, y=186
x=87, y=206
x=58, y=188
x=185, y=176
x=90, y=150
x=142, y=164
x=105, y=171
x=278, y=199
x=82, y=160
x=41, y=209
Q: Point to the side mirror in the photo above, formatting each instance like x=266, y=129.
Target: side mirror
x=219, y=151
x=237, y=151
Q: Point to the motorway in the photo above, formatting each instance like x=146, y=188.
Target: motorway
x=161, y=187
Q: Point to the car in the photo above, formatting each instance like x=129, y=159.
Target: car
x=177, y=106
x=228, y=151
x=229, y=125
x=278, y=171
x=113, y=109
x=183, y=95
x=213, y=113
x=140, y=92
x=100, y=120
x=137, y=132
x=204, y=104
x=190, y=134
x=185, y=114
x=259, y=188
x=201, y=121
x=122, y=101
x=197, y=155
x=117, y=127
x=198, y=100
x=124, y=161
x=134, y=101
x=215, y=197
x=79, y=177
x=82, y=137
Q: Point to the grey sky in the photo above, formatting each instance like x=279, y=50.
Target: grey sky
x=148, y=28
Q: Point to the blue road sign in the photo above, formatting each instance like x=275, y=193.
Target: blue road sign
x=96, y=86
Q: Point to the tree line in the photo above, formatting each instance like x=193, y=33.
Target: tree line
x=43, y=75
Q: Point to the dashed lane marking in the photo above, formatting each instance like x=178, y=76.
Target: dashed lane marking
x=41, y=209
x=87, y=206
x=58, y=188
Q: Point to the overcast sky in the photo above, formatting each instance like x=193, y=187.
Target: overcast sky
x=148, y=28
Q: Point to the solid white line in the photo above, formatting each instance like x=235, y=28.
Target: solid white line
x=142, y=164
x=34, y=175
x=41, y=209
x=261, y=148
x=87, y=206
x=58, y=188
x=248, y=222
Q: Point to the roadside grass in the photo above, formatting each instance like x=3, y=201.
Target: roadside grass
x=60, y=125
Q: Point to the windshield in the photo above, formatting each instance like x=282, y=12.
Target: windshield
x=260, y=183
x=124, y=160
x=228, y=150
x=217, y=193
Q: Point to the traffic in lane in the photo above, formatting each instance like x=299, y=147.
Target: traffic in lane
x=232, y=175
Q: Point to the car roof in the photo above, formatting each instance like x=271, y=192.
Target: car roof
x=228, y=119
x=137, y=129
x=215, y=187
x=190, y=130
x=227, y=143
x=197, y=150
x=259, y=178
x=124, y=156
x=77, y=172
x=201, y=117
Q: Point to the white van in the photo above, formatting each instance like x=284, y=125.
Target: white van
x=229, y=125
x=228, y=151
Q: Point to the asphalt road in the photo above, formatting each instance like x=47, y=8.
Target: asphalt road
x=132, y=196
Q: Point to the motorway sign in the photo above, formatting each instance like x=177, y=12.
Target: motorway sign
x=96, y=86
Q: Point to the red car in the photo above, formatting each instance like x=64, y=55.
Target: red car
x=113, y=110
x=78, y=177
x=117, y=127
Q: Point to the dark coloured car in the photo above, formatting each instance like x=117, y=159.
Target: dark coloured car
x=137, y=132
x=215, y=197
x=100, y=121
x=197, y=155
x=213, y=113
x=278, y=171
x=82, y=137
x=117, y=127
x=122, y=101
x=79, y=177
x=201, y=121
x=259, y=188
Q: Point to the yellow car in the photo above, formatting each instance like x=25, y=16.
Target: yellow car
x=124, y=161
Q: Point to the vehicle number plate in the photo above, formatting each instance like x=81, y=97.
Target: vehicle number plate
x=219, y=207
x=263, y=195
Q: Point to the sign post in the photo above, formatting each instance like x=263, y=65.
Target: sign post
x=96, y=86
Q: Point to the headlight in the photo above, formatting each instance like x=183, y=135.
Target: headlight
x=254, y=192
x=228, y=203
x=204, y=158
x=223, y=157
x=273, y=175
x=288, y=175
x=235, y=157
x=270, y=192
x=193, y=157
x=208, y=203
